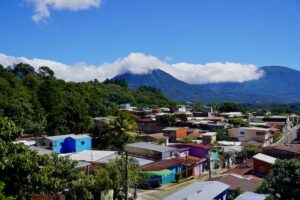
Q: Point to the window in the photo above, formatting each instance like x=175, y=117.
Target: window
x=82, y=142
x=260, y=133
x=242, y=134
x=261, y=169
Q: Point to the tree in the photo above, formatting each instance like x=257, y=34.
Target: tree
x=112, y=176
x=114, y=132
x=167, y=120
x=248, y=152
x=197, y=107
x=231, y=107
x=277, y=135
x=235, y=193
x=222, y=135
x=283, y=180
x=27, y=174
x=183, y=117
x=8, y=130
x=2, y=195
x=22, y=70
x=238, y=122
x=46, y=72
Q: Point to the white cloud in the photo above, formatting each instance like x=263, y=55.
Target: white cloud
x=138, y=63
x=43, y=7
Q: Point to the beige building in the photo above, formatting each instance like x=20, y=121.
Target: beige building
x=252, y=135
x=209, y=137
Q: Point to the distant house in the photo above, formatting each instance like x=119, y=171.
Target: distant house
x=251, y=196
x=255, y=135
x=262, y=163
x=281, y=122
x=208, y=190
x=283, y=151
x=180, y=108
x=162, y=172
x=66, y=143
x=149, y=150
x=126, y=106
x=197, y=150
x=232, y=114
x=174, y=133
x=148, y=125
x=192, y=166
x=209, y=137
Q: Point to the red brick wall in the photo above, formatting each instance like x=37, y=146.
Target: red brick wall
x=181, y=132
x=258, y=163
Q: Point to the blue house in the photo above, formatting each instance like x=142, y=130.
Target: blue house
x=66, y=143
x=162, y=172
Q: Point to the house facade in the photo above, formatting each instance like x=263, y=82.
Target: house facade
x=262, y=164
x=261, y=136
x=66, y=143
x=174, y=133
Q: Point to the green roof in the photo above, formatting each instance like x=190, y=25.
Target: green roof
x=159, y=173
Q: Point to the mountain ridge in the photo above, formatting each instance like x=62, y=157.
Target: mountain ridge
x=279, y=84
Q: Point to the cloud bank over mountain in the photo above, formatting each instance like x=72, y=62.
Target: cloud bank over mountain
x=43, y=7
x=139, y=63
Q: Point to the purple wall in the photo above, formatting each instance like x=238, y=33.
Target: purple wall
x=194, y=150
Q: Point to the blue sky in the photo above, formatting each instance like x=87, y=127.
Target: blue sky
x=259, y=32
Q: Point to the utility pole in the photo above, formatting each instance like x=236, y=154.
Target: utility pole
x=186, y=165
x=126, y=176
x=209, y=168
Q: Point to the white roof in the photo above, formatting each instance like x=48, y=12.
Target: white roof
x=255, y=128
x=40, y=150
x=26, y=142
x=207, y=190
x=150, y=146
x=142, y=161
x=265, y=158
x=229, y=143
x=57, y=137
x=251, y=196
x=91, y=155
x=210, y=134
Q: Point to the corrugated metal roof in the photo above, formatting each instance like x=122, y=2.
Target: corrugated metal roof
x=41, y=151
x=91, y=155
x=162, y=164
x=251, y=196
x=57, y=137
x=150, y=146
x=265, y=158
x=207, y=190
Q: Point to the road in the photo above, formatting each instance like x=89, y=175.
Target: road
x=164, y=191
x=289, y=136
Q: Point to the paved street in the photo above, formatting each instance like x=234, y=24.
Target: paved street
x=289, y=136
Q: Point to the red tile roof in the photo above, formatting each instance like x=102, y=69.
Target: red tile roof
x=158, y=136
x=190, y=160
x=195, y=134
x=249, y=183
x=162, y=164
x=242, y=169
x=295, y=148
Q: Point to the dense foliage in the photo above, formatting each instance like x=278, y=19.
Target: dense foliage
x=114, y=132
x=238, y=122
x=38, y=102
x=284, y=180
x=24, y=174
